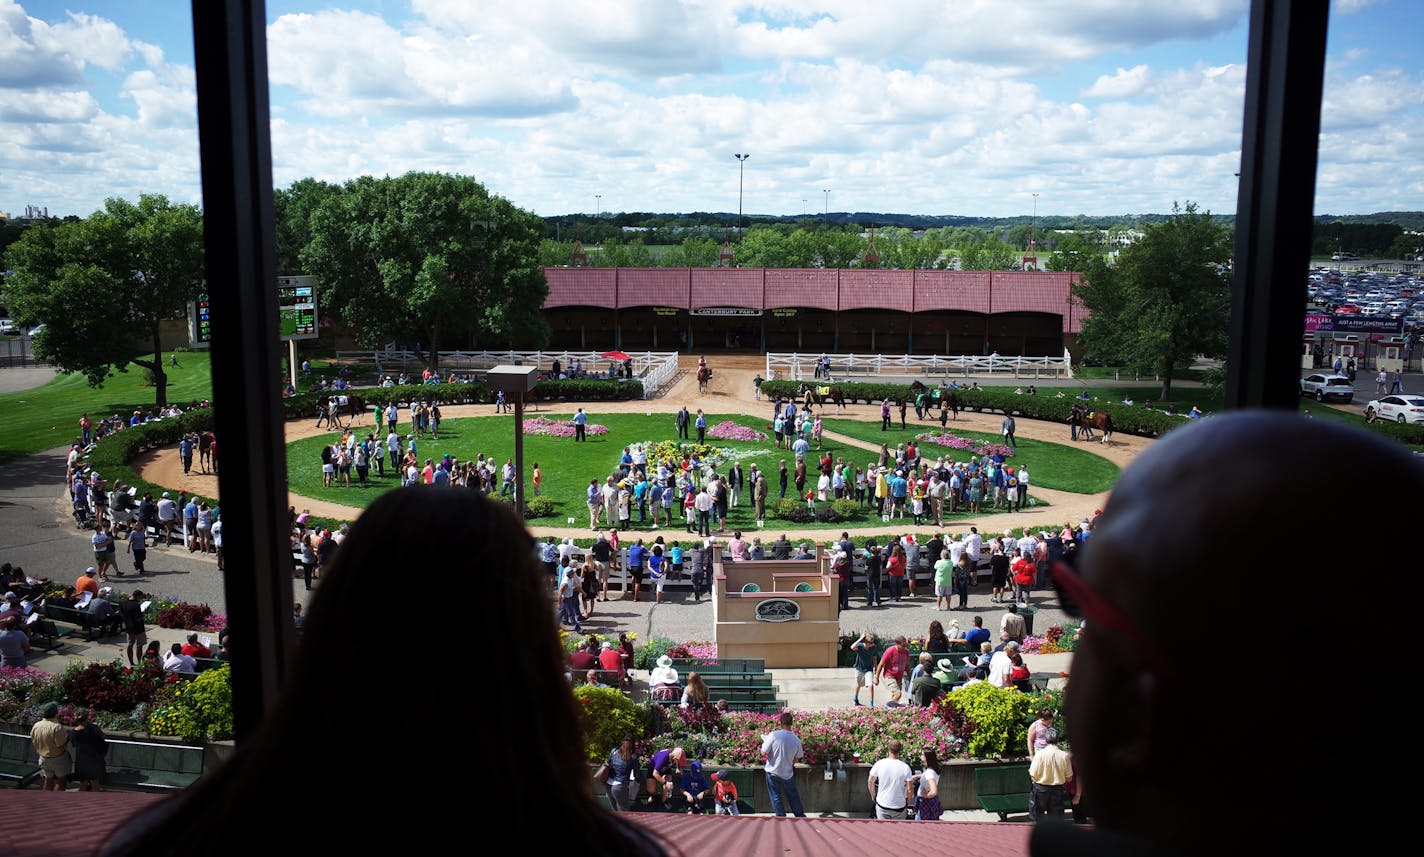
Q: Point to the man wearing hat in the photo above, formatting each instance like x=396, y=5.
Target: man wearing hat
x=167, y=516
x=724, y=793
x=695, y=789
x=87, y=582
x=51, y=740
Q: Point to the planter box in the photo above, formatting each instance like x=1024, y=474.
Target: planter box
x=852, y=797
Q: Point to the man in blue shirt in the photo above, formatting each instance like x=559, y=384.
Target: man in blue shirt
x=976, y=635
x=701, y=426
x=636, y=555
x=580, y=420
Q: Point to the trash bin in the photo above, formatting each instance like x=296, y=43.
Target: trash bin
x=1027, y=612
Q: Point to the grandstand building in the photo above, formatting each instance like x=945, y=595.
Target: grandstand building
x=1013, y=313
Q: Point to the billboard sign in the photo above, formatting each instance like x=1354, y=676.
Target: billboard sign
x=296, y=312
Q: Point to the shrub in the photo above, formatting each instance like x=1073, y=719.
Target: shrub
x=538, y=507
x=848, y=509
x=196, y=710
x=111, y=686
x=606, y=715
x=791, y=509
x=646, y=657
x=187, y=616
x=1000, y=718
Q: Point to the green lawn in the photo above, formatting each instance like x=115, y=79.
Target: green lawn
x=48, y=416
x=567, y=466
x=1051, y=465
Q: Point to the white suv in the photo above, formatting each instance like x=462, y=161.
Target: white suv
x=1324, y=386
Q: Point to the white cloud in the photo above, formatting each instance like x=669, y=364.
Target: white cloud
x=1124, y=83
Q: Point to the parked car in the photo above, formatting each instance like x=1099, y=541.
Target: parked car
x=1401, y=409
x=8, y=326
x=1324, y=386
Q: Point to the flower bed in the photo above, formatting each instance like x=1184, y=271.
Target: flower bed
x=728, y=430
x=977, y=447
x=167, y=613
x=735, y=738
x=560, y=428
x=118, y=697
x=1058, y=638
x=670, y=453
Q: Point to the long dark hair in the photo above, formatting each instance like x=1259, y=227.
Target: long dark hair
x=367, y=696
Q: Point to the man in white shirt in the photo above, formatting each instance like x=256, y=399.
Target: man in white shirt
x=782, y=748
x=177, y=662
x=973, y=544
x=1023, y=488
x=1001, y=666
x=167, y=517
x=889, y=784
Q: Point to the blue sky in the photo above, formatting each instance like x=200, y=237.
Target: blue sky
x=971, y=107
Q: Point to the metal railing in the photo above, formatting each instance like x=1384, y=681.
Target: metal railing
x=797, y=367
x=653, y=368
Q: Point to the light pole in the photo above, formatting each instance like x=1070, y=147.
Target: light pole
x=741, y=171
x=597, y=206
x=803, y=208
x=827, y=192
x=1033, y=226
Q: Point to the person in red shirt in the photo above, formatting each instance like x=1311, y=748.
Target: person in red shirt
x=725, y=793
x=583, y=659
x=1024, y=572
x=195, y=649
x=611, y=660
x=894, y=664
x=895, y=569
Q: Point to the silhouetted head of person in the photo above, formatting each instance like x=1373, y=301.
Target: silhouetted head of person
x=1193, y=699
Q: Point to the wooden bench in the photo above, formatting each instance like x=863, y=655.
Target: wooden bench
x=84, y=620
x=152, y=767
x=19, y=763
x=1003, y=789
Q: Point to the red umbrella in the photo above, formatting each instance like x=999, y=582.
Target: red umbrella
x=615, y=355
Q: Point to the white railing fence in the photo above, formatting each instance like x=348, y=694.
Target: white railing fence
x=796, y=367
x=654, y=368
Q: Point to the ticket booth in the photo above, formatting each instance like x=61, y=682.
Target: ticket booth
x=1307, y=352
x=1391, y=355
x=1348, y=345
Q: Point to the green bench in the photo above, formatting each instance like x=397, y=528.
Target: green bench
x=738, y=680
x=1003, y=789
x=152, y=767
x=19, y=763
x=720, y=666
x=83, y=620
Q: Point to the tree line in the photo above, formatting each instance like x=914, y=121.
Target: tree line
x=421, y=259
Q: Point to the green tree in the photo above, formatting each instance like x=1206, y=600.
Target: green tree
x=991, y=255
x=1075, y=252
x=428, y=256
x=294, y=207
x=102, y=285
x=691, y=253
x=1167, y=300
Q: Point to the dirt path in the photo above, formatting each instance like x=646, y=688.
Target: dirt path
x=730, y=391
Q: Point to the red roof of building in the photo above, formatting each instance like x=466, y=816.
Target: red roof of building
x=768, y=836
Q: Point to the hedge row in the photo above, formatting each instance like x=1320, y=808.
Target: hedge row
x=304, y=404
x=1125, y=419
x=112, y=454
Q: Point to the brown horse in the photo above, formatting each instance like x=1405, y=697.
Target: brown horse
x=1087, y=420
x=353, y=409
x=703, y=376
x=946, y=396
x=820, y=395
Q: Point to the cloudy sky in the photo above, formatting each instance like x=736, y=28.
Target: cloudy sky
x=966, y=107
